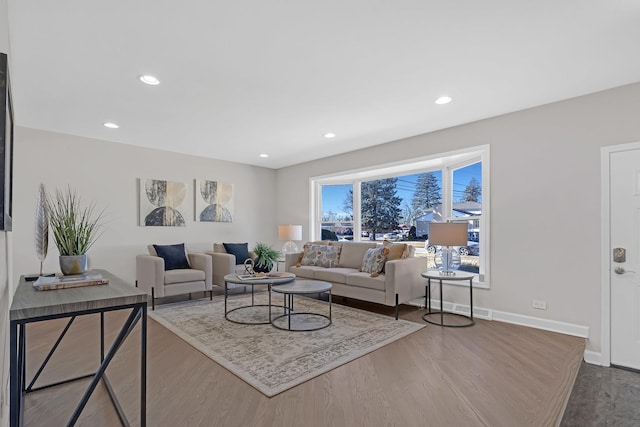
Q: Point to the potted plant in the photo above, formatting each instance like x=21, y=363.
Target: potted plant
x=75, y=229
x=265, y=257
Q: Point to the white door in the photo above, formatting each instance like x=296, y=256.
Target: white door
x=624, y=217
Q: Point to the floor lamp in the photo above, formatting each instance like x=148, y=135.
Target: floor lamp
x=290, y=233
x=446, y=235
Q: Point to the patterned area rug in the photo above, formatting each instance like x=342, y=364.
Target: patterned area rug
x=270, y=359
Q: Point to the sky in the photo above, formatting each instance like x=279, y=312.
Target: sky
x=333, y=196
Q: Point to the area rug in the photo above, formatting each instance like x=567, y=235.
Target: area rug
x=270, y=359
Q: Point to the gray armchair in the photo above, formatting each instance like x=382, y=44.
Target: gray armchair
x=153, y=279
x=224, y=263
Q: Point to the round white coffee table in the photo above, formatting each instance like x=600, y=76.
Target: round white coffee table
x=268, y=281
x=301, y=287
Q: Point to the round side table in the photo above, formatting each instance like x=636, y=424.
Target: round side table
x=267, y=281
x=435, y=275
x=302, y=287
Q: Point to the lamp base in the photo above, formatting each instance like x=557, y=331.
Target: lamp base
x=447, y=260
x=289, y=248
x=447, y=273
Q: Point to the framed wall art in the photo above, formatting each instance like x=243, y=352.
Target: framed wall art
x=213, y=201
x=6, y=147
x=162, y=203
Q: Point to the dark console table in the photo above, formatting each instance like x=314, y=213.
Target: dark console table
x=30, y=305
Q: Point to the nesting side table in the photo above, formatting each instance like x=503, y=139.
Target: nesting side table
x=302, y=287
x=268, y=281
x=435, y=275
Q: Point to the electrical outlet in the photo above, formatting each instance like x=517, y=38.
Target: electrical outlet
x=541, y=305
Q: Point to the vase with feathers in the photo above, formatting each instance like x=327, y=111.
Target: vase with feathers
x=42, y=226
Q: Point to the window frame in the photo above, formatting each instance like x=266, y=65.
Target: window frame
x=446, y=162
x=481, y=244
x=318, y=212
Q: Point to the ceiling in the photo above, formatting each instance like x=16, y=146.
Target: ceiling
x=241, y=78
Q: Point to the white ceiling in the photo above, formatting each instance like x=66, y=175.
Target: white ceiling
x=240, y=78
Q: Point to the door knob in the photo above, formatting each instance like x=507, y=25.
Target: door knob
x=621, y=270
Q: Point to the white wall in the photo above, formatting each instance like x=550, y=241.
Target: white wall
x=107, y=173
x=6, y=293
x=545, y=199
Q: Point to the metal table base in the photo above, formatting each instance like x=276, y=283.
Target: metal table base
x=427, y=303
x=18, y=337
x=289, y=313
x=253, y=304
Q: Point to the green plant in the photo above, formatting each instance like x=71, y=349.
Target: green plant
x=265, y=256
x=75, y=228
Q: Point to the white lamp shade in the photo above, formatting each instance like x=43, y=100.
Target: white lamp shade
x=290, y=232
x=448, y=233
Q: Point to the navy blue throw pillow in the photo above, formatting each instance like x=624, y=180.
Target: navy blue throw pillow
x=174, y=256
x=240, y=250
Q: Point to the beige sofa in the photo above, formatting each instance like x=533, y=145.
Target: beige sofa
x=399, y=283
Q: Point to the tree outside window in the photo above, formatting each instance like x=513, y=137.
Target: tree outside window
x=380, y=206
x=427, y=195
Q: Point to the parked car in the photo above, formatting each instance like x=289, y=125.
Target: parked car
x=430, y=248
x=391, y=236
x=472, y=248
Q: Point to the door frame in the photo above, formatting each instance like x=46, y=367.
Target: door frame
x=605, y=255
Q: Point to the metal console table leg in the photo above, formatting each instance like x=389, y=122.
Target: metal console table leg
x=18, y=332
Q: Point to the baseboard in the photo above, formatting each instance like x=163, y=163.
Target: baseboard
x=503, y=316
x=478, y=312
x=593, y=357
x=545, y=324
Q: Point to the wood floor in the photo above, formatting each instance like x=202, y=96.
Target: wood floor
x=491, y=374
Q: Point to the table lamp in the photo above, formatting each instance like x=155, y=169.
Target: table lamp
x=446, y=235
x=290, y=233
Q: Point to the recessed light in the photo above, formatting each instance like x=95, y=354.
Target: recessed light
x=443, y=100
x=329, y=135
x=150, y=80
x=264, y=156
x=111, y=125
